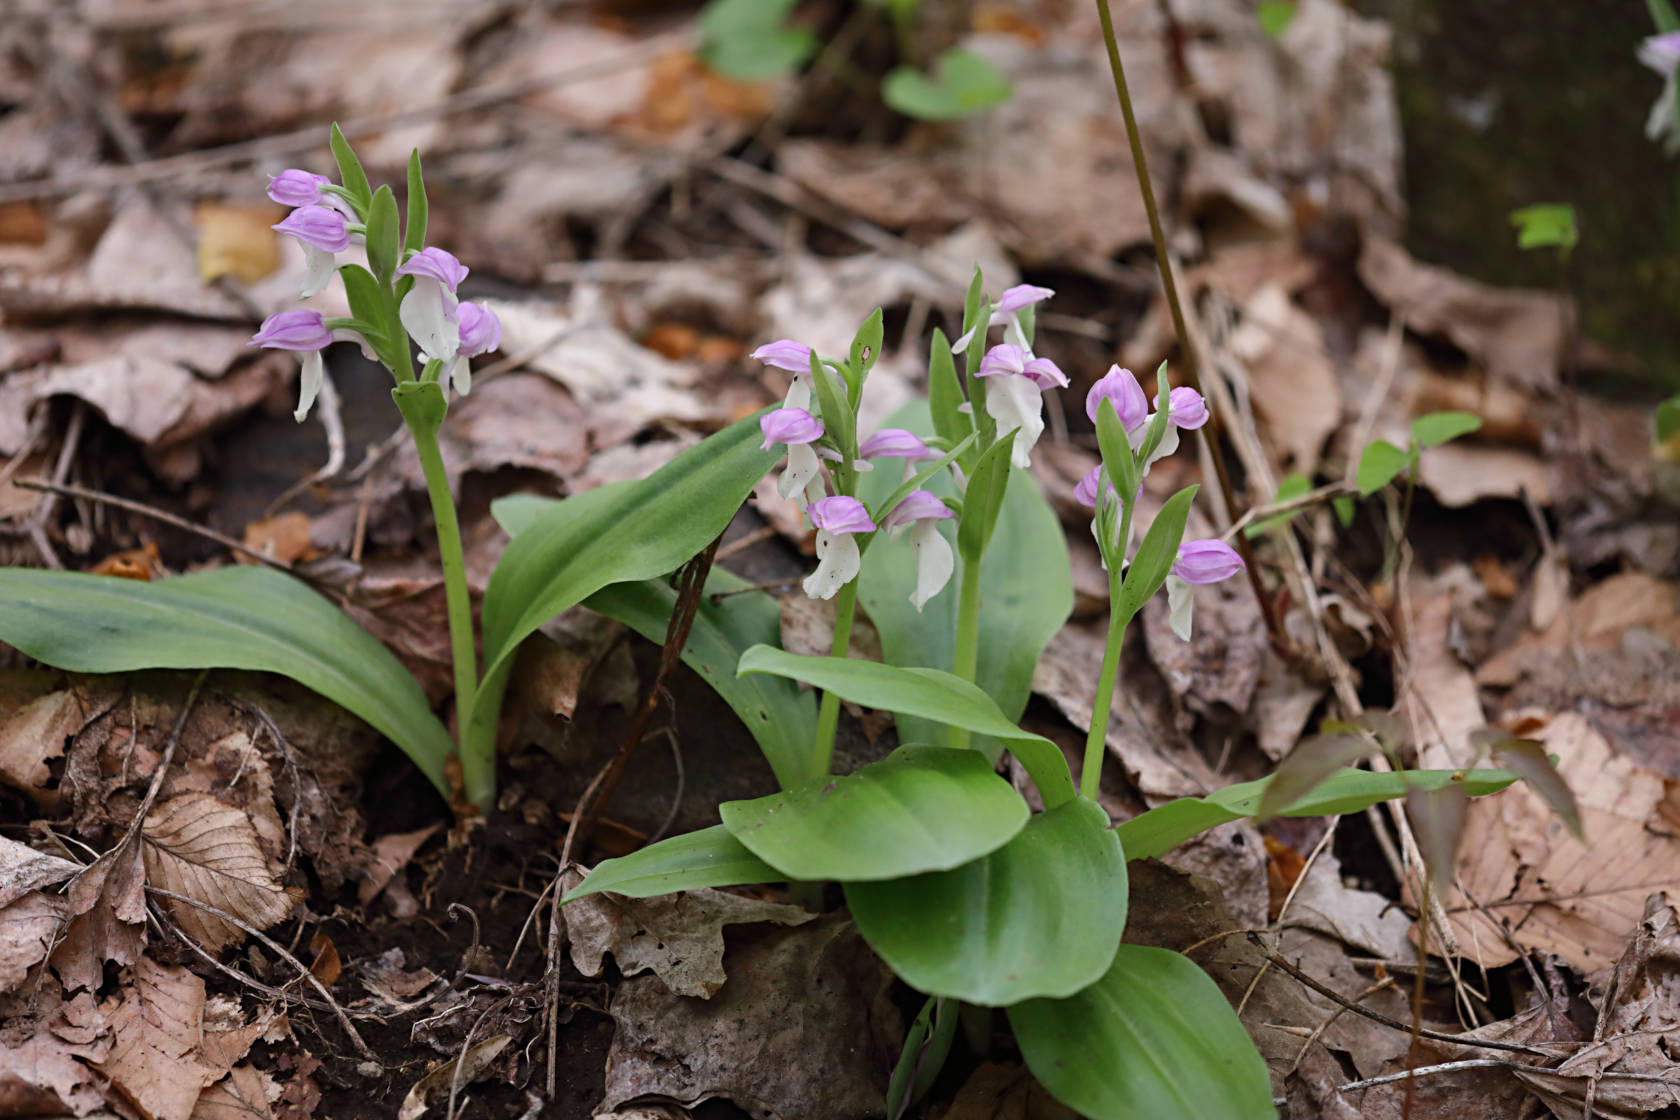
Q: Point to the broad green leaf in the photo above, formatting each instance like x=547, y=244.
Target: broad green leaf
x=1305, y=768
x=414, y=232
x=749, y=40
x=1437, y=428
x=1292, y=487
x=383, y=241
x=1546, y=225
x=630, y=531
x=919, y=809
x=350, y=173
x=707, y=858
x=1156, y=555
x=780, y=716
x=229, y=618
x=962, y=83
x=1668, y=420
x=1378, y=465
x=983, y=500
x=1041, y=916
x=926, y=1046
x=1026, y=591
x=1165, y=827
x=945, y=395
x=1275, y=16
x=1153, y=1038
x=1344, y=510
x=931, y=694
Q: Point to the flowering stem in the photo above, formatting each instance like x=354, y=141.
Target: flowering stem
x=478, y=774
x=1090, y=771
x=828, y=716
x=1170, y=290
x=965, y=662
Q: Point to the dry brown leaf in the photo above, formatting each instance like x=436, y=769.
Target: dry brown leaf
x=1548, y=891
x=1005, y=1092
x=1595, y=622
x=808, y=628
x=390, y=855
x=284, y=538
x=23, y=869
x=34, y=727
x=244, y=1094
x=28, y=927
x=1441, y=700
x=461, y=1070
x=1295, y=389
x=677, y=937
x=805, y=1027
x=156, y=1028
x=236, y=241
x=45, y=1047
x=1461, y=474
x=1514, y=334
x=197, y=846
x=107, y=905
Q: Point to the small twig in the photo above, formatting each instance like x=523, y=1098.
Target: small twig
x=1377, y=1016
x=1496, y=1063
x=281, y=951
x=744, y=542
x=155, y=514
x=767, y=585
x=1325, y=493
x=670, y=734
x=554, y=928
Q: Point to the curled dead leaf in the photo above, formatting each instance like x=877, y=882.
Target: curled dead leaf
x=204, y=849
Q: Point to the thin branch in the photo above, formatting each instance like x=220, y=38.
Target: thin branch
x=155, y=514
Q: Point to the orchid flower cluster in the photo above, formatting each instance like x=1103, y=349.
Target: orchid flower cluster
x=410, y=292
x=1198, y=561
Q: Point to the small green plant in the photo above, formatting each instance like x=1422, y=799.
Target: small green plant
x=1546, y=225
x=974, y=899
x=1275, y=16
x=263, y=619
x=754, y=40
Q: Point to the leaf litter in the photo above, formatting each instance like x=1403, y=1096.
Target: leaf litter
x=676, y=252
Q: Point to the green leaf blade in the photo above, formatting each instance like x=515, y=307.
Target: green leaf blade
x=1378, y=465
x=229, y=618
x=383, y=247
x=920, y=809
x=1436, y=428
x=928, y=693
x=710, y=857
x=414, y=232
x=983, y=932
x=1154, y=1037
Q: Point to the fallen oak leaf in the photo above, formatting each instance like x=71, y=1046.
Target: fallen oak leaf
x=199, y=847
x=157, y=1026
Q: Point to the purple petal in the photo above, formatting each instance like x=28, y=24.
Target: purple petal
x=293, y=187
x=1004, y=358
x=301, y=329
x=320, y=226
x=1086, y=492
x=481, y=331
x=1189, y=410
x=896, y=443
x=1121, y=387
x=789, y=426
x=1021, y=295
x=918, y=505
x=840, y=514
x=1206, y=561
x=1045, y=374
x=1661, y=52
x=795, y=357
x=435, y=264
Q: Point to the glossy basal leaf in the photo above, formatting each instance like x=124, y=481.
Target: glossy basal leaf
x=1165, y=827
x=229, y=618
x=930, y=694
x=1155, y=1038
x=1026, y=592
x=1436, y=428
x=919, y=809
x=780, y=716
x=631, y=531
x=710, y=857
x=1379, y=463
x=1041, y=916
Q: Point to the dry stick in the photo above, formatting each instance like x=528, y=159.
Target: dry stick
x=554, y=928
x=1376, y=1016
x=1495, y=1063
x=281, y=951
x=157, y=515
x=676, y=636
x=1170, y=289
